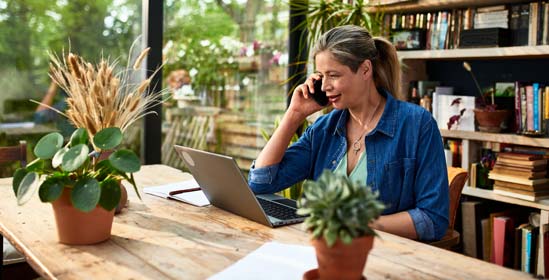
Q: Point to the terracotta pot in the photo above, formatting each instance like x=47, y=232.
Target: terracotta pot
x=75, y=227
x=491, y=121
x=341, y=261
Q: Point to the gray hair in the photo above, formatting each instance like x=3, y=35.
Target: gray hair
x=351, y=45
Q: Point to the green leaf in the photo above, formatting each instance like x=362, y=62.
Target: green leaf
x=110, y=194
x=79, y=136
x=108, y=138
x=75, y=157
x=50, y=190
x=17, y=178
x=58, y=158
x=27, y=188
x=86, y=194
x=48, y=145
x=125, y=161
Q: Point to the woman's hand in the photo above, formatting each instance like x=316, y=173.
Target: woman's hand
x=302, y=102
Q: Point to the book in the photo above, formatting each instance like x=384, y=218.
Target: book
x=539, y=168
x=527, y=163
x=486, y=239
x=520, y=156
x=503, y=241
x=516, y=186
x=517, y=180
x=520, y=173
x=472, y=212
x=533, y=197
x=529, y=245
x=517, y=262
x=186, y=191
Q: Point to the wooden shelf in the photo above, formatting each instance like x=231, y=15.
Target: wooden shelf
x=496, y=137
x=478, y=53
x=396, y=6
x=488, y=194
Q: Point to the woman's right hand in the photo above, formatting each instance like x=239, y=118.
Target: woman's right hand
x=302, y=102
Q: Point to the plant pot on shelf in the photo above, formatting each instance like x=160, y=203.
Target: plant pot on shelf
x=75, y=227
x=341, y=261
x=491, y=121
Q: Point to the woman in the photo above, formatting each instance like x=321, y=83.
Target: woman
x=393, y=146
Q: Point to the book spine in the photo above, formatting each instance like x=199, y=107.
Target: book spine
x=528, y=252
x=529, y=108
x=535, y=95
x=514, y=18
x=518, y=111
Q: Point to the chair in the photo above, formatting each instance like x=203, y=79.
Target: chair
x=456, y=178
x=13, y=263
x=14, y=153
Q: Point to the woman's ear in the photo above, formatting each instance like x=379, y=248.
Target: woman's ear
x=366, y=68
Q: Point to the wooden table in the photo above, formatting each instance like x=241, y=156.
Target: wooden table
x=25, y=128
x=164, y=239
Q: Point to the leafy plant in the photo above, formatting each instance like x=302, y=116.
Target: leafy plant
x=338, y=208
x=92, y=179
x=483, y=104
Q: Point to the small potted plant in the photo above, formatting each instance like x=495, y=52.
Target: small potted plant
x=82, y=177
x=489, y=118
x=340, y=215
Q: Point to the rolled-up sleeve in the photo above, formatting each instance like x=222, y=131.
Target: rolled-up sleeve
x=430, y=216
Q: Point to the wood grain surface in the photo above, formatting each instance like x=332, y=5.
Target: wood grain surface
x=155, y=238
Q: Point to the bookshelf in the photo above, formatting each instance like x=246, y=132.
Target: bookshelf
x=530, y=52
x=415, y=66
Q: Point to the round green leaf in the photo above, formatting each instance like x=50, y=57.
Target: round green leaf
x=79, y=136
x=27, y=188
x=75, y=157
x=110, y=194
x=50, y=190
x=125, y=161
x=85, y=194
x=17, y=178
x=108, y=138
x=36, y=165
x=58, y=157
x=48, y=145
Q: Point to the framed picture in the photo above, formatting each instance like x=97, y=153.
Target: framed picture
x=408, y=39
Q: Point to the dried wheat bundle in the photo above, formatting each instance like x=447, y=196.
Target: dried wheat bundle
x=97, y=97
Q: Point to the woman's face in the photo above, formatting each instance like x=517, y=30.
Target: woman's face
x=344, y=88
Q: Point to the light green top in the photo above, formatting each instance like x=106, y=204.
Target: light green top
x=358, y=174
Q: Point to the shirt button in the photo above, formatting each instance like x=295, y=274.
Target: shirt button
x=333, y=162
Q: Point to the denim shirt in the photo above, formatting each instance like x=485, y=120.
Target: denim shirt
x=405, y=163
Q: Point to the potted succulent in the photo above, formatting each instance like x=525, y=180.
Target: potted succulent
x=82, y=177
x=340, y=215
x=489, y=118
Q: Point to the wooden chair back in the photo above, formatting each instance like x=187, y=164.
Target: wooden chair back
x=14, y=153
x=456, y=178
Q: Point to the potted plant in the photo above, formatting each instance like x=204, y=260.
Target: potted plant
x=82, y=177
x=340, y=215
x=489, y=118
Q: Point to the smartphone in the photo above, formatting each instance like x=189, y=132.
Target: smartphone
x=319, y=96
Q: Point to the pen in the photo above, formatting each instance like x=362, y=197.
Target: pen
x=184, y=191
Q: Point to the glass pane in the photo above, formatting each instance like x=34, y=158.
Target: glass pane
x=31, y=29
x=225, y=67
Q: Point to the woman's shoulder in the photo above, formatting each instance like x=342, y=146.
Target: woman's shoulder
x=413, y=112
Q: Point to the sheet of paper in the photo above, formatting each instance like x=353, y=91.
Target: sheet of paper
x=273, y=260
x=17, y=125
x=197, y=198
x=164, y=190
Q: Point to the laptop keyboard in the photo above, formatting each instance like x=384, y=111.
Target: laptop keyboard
x=278, y=211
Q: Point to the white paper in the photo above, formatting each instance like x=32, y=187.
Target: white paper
x=196, y=198
x=164, y=190
x=273, y=260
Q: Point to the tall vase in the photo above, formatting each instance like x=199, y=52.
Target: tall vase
x=75, y=227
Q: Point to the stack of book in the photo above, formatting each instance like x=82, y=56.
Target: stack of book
x=521, y=176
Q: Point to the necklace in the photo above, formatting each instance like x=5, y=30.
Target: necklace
x=357, y=144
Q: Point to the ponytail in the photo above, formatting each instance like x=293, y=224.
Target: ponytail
x=387, y=67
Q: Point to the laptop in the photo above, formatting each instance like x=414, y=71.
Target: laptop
x=225, y=187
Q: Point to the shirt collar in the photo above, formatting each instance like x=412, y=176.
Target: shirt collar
x=387, y=123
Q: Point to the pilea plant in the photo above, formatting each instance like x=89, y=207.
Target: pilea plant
x=92, y=177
